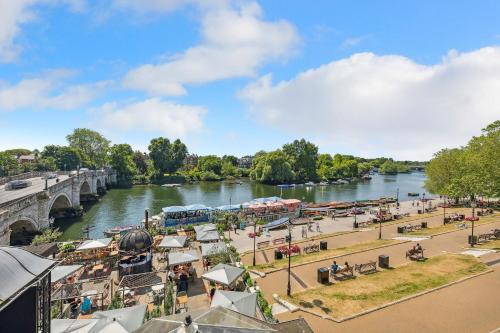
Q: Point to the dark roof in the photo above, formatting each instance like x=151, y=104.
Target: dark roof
x=136, y=241
x=299, y=325
x=43, y=250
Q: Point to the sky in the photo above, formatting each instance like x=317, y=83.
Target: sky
x=401, y=79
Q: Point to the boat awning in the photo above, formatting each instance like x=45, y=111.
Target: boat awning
x=177, y=258
x=170, y=242
x=278, y=223
x=62, y=271
x=174, y=209
x=196, y=207
x=93, y=244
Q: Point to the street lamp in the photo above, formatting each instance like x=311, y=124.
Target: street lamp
x=254, y=236
x=397, y=197
x=444, y=210
x=379, y=220
x=289, y=239
x=423, y=203
x=355, y=215
x=473, y=205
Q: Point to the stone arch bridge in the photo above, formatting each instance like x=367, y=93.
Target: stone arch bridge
x=46, y=200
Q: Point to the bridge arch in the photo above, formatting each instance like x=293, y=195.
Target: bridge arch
x=85, y=188
x=22, y=231
x=57, y=204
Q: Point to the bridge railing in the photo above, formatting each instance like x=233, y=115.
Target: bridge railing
x=27, y=175
x=58, y=186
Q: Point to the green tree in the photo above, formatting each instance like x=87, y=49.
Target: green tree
x=233, y=160
x=8, y=164
x=93, y=145
x=178, y=154
x=228, y=169
x=141, y=162
x=324, y=166
x=166, y=156
x=122, y=161
x=69, y=158
x=272, y=168
x=46, y=164
x=389, y=168
x=210, y=163
x=302, y=156
x=364, y=168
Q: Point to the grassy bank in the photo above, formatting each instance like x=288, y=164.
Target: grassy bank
x=492, y=245
x=453, y=226
x=322, y=255
x=350, y=297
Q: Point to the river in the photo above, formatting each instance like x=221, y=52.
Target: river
x=126, y=206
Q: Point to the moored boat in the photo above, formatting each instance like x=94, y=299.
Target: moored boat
x=119, y=230
x=171, y=185
x=413, y=194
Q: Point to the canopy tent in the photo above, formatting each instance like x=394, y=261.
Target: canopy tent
x=208, y=249
x=223, y=274
x=242, y=302
x=195, y=207
x=171, y=242
x=94, y=244
x=174, y=209
x=177, y=258
x=124, y=320
x=208, y=236
x=277, y=224
x=205, y=227
x=18, y=268
x=62, y=271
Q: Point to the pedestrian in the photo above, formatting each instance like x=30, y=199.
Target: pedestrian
x=413, y=203
x=317, y=226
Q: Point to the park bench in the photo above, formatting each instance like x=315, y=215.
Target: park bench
x=311, y=248
x=481, y=238
x=413, y=254
x=496, y=233
x=369, y=267
x=279, y=241
x=263, y=244
x=343, y=270
x=364, y=224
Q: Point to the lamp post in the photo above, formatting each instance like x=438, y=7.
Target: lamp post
x=289, y=239
x=254, y=236
x=473, y=205
x=444, y=210
x=355, y=215
x=423, y=203
x=397, y=197
x=379, y=220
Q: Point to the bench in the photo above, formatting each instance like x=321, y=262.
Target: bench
x=369, y=267
x=481, y=238
x=364, y=224
x=344, y=270
x=279, y=241
x=263, y=244
x=415, y=254
x=311, y=248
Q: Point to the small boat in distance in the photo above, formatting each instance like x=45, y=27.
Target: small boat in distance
x=367, y=177
x=118, y=231
x=171, y=185
x=323, y=184
x=413, y=194
x=310, y=184
x=286, y=185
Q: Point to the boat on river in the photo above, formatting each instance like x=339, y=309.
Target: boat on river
x=118, y=230
x=309, y=184
x=286, y=185
x=323, y=184
x=171, y=185
x=413, y=194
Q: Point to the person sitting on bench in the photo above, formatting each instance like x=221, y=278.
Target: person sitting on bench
x=346, y=265
x=418, y=248
x=335, y=267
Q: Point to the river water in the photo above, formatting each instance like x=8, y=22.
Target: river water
x=126, y=206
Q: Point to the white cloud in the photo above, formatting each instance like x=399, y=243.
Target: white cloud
x=148, y=6
x=236, y=42
x=48, y=91
x=385, y=104
x=152, y=115
x=352, y=42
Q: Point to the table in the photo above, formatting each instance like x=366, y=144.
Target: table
x=182, y=300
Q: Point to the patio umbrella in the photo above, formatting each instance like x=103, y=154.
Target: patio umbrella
x=62, y=271
x=120, y=320
x=207, y=236
x=72, y=325
x=223, y=274
x=242, y=302
x=170, y=242
x=177, y=258
x=204, y=227
x=94, y=244
x=212, y=248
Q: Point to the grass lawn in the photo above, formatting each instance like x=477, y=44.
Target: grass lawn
x=353, y=296
x=326, y=254
x=453, y=226
x=493, y=245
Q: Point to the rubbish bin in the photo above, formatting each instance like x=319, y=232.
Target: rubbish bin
x=383, y=261
x=278, y=255
x=355, y=225
x=420, y=211
x=470, y=239
x=323, y=275
x=323, y=245
x=424, y=225
x=401, y=229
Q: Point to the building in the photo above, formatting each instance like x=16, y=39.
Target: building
x=245, y=162
x=24, y=291
x=26, y=159
x=191, y=161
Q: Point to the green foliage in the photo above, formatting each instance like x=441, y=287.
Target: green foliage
x=272, y=168
x=66, y=158
x=48, y=236
x=168, y=304
x=264, y=306
x=93, y=145
x=302, y=156
x=46, y=164
x=8, y=164
x=141, y=161
x=18, y=151
x=121, y=159
x=233, y=160
x=210, y=163
x=166, y=157
x=469, y=171
x=116, y=302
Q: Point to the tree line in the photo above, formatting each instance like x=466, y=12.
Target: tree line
x=165, y=160
x=468, y=172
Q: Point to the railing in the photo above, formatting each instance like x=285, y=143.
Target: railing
x=27, y=175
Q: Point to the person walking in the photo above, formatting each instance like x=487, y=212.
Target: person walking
x=317, y=227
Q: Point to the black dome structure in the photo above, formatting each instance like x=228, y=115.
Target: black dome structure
x=136, y=241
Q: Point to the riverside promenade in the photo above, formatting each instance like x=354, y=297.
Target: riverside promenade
x=469, y=306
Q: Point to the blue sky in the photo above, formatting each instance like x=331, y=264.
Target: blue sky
x=394, y=78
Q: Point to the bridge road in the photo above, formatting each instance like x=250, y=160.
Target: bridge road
x=38, y=184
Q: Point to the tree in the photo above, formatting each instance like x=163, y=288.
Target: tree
x=210, y=163
x=302, y=156
x=141, y=162
x=46, y=164
x=389, y=168
x=324, y=166
x=272, y=168
x=231, y=159
x=166, y=156
x=364, y=168
x=18, y=151
x=8, y=164
x=93, y=145
x=121, y=159
x=69, y=158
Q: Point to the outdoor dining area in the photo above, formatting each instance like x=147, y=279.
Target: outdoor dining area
x=206, y=233
x=178, y=215
x=135, y=253
x=223, y=277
